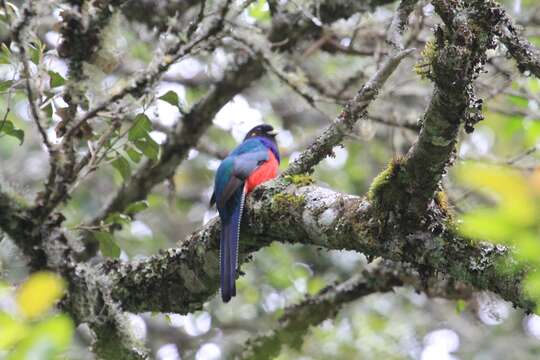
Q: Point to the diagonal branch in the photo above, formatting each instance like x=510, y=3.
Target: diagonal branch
x=354, y=110
x=494, y=18
x=185, y=137
x=17, y=34
x=399, y=22
x=54, y=196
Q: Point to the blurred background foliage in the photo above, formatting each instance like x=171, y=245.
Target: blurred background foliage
x=29, y=328
x=494, y=191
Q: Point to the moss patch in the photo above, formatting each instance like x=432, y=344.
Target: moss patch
x=284, y=202
x=300, y=179
x=424, y=66
x=385, y=191
x=441, y=199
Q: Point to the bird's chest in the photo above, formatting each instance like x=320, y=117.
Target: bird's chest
x=265, y=172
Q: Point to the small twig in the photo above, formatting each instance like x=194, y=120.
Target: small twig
x=524, y=154
x=525, y=53
x=407, y=126
x=199, y=20
x=266, y=59
x=19, y=27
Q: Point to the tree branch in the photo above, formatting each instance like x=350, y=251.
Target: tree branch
x=355, y=109
x=454, y=58
x=181, y=280
x=494, y=18
x=399, y=22
x=140, y=85
x=13, y=220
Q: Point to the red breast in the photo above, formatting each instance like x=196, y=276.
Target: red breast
x=265, y=172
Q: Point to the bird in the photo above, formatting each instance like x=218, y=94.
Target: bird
x=251, y=163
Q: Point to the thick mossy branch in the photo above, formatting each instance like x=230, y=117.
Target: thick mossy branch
x=452, y=61
x=383, y=192
x=181, y=280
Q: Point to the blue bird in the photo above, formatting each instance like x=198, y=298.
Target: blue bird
x=251, y=163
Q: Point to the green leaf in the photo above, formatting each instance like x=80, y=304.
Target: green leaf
x=141, y=127
x=136, y=207
x=171, y=97
x=123, y=167
x=48, y=109
x=17, y=133
x=11, y=331
x=117, y=218
x=56, y=79
x=528, y=247
x=259, y=10
x=519, y=101
x=39, y=293
x=36, y=51
x=507, y=185
x=315, y=284
x=148, y=146
x=9, y=129
x=5, y=54
x=4, y=85
x=532, y=286
x=134, y=155
x=107, y=246
x=487, y=224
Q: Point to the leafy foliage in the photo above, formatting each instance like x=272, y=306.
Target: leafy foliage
x=32, y=330
x=514, y=220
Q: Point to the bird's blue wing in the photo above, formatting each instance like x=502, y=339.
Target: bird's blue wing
x=234, y=169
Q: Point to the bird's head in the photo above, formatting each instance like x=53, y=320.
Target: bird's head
x=263, y=130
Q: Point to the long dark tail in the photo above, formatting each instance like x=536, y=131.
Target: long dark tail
x=230, y=234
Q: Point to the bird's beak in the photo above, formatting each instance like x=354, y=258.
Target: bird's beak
x=273, y=133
